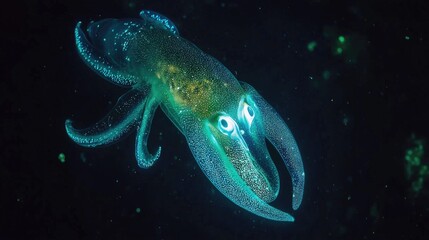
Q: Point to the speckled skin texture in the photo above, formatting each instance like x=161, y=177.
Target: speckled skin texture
x=224, y=121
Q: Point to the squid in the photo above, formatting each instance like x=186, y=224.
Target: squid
x=225, y=122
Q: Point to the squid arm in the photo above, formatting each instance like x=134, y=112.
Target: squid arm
x=278, y=133
x=222, y=174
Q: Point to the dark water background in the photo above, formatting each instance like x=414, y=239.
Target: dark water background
x=355, y=109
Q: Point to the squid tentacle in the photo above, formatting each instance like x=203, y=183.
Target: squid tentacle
x=115, y=125
x=144, y=158
x=278, y=133
x=98, y=62
x=223, y=175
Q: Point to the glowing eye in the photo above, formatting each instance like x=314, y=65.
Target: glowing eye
x=226, y=125
x=248, y=113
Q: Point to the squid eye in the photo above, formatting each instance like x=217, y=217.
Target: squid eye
x=250, y=111
x=248, y=114
x=226, y=125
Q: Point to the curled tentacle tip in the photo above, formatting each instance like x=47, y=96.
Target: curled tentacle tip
x=295, y=206
x=68, y=124
x=286, y=218
x=296, y=201
x=157, y=154
x=151, y=159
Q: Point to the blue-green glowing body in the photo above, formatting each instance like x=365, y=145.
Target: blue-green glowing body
x=224, y=121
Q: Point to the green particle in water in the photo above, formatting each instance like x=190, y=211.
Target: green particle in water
x=138, y=210
x=374, y=211
x=345, y=120
x=311, y=46
x=424, y=171
x=326, y=74
x=339, y=50
x=62, y=157
x=416, y=170
x=407, y=37
x=341, y=39
x=417, y=185
x=414, y=154
x=131, y=3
